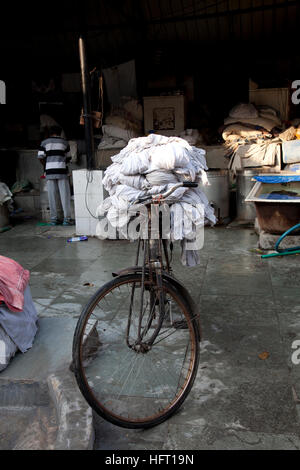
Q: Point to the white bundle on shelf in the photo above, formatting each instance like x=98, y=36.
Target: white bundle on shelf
x=150, y=166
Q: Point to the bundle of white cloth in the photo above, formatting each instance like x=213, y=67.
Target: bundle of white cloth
x=150, y=166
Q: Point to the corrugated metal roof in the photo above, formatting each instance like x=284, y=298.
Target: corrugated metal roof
x=159, y=19
x=115, y=26
x=192, y=19
x=124, y=23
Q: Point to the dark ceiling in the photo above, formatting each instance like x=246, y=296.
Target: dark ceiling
x=47, y=36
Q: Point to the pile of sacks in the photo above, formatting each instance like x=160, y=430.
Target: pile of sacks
x=249, y=124
x=122, y=124
x=150, y=166
x=251, y=136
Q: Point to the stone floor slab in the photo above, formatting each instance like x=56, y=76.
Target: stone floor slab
x=248, y=306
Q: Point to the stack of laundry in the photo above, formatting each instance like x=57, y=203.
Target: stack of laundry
x=122, y=124
x=150, y=166
x=18, y=315
x=247, y=123
x=251, y=135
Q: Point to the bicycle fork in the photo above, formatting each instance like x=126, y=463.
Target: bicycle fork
x=152, y=251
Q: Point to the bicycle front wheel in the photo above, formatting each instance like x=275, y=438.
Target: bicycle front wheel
x=135, y=387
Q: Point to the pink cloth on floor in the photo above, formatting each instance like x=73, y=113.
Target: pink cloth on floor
x=13, y=281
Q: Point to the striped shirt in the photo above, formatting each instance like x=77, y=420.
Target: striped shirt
x=55, y=150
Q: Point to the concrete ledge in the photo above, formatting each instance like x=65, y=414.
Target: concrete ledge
x=23, y=393
x=267, y=241
x=75, y=420
x=28, y=415
x=45, y=415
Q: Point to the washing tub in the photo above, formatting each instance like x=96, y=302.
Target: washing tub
x=277, y=202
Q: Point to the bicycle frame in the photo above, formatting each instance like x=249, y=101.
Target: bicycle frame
x=154, y=269
x=152, y=273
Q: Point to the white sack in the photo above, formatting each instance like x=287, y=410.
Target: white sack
x=7, y=349
x=118, y=132
x=243, y=110
x=111, y=143
x=5, y=194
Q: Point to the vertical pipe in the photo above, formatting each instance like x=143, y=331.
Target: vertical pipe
x=86, y=91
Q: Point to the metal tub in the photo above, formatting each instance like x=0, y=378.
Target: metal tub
x=218, y=192
x=275, y=215
x=244, y=184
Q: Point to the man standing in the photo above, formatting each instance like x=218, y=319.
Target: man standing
x=53, y=156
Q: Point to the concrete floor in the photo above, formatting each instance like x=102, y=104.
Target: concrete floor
x=248, y=306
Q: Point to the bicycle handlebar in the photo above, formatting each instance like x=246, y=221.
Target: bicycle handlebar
x=184, y=184
x=189, y=184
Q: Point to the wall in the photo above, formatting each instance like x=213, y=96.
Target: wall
x=88, y=195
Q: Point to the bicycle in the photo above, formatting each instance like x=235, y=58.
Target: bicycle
x=136, y=343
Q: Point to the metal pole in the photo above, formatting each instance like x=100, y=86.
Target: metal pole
x=87, y=114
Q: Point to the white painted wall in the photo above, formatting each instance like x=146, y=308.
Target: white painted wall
x=87, y=197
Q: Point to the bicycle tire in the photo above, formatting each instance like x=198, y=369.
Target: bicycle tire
x=81, y=371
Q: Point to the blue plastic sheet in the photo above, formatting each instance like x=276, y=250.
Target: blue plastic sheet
x=277, y=196
x=277, y=178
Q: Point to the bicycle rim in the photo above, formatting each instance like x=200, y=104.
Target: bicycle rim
x=128, y=387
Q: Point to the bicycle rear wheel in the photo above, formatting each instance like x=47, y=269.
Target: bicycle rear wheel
x=130, y=388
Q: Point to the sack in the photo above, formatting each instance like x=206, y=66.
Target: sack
x=243, y=110
x=267, y=124
x=20, y=186
x=118, y=132
x=122, y=123
x=7, y=349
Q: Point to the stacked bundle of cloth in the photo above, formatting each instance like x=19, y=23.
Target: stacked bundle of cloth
x=122, y=124
x=249, y=123
x=251, y=136
x=18, y=315
x=150, y=166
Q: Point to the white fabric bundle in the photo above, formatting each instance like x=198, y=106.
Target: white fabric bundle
x=243, y=110
x=7, y=349
x=192, y=136
x=5, y=194
x=150, y=166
